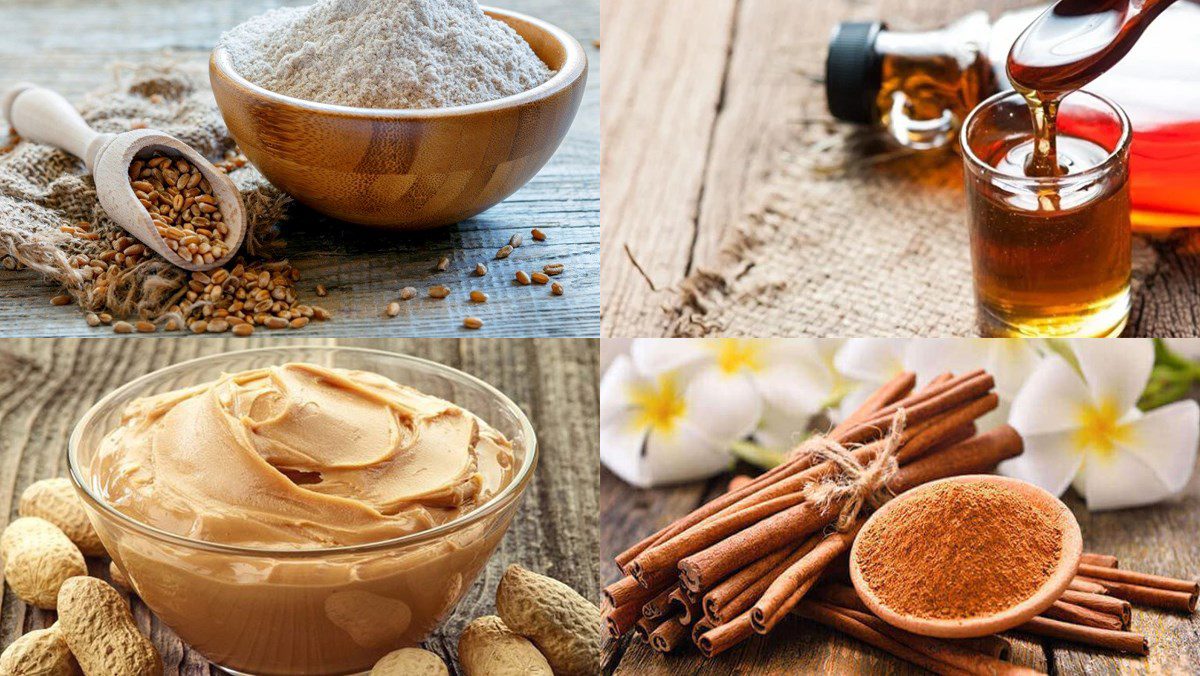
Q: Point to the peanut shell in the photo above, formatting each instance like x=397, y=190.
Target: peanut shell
x=488, y=648
x=562, y=624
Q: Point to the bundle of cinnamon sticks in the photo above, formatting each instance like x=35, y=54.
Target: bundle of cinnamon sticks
x=767, y=548
x=739, y=564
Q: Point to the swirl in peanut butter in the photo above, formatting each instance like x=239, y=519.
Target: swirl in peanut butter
x=299, y=456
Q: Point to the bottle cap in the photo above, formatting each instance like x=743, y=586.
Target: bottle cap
x=852, y=71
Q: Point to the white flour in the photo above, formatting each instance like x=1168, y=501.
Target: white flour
x=385, y=54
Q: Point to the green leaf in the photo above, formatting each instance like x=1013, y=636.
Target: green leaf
x=757, y=455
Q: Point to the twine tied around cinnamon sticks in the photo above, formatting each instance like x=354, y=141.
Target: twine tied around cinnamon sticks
x=750, y=557
x=856, y=484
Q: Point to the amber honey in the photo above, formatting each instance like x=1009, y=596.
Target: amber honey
x=1048, y=263
x=1050, y=254
x=925, y=97
x=1050, y=205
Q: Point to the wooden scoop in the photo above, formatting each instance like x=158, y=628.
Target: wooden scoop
x=43, y=116
x=1043, y=598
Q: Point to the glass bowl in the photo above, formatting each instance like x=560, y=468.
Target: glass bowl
x=333, y=610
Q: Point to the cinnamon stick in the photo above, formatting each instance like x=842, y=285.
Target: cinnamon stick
x=1147, y=596
x=894, y=390
x=707, y=532
x=1123, y=641
x=1105, y=560
x=717, y=597
x=939, y=428
x=738, y=607
x=739, y=481
x=1081, y=585
x=748, y=596
x=708, y=566
x=961, y=656
x=683, y=605
x=840, y=595
x=996, y=646
x=953, y=438
x=745, y=532
x=956, y=394
x=1116, y=607
x=1102, y=574
x=1069, y=612
x=701, y=627
x=724, y=636
x=621, y=619
x=786, y=591
x=669, y=635
x=787, y=468
x=841, y=620
x=975, y=455
x=937, y=387
x=646, y=626
x=844, y=596
x=629, y=590
x=660, y=605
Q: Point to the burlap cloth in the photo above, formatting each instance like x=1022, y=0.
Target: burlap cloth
x=43, y=189
x=850, y=237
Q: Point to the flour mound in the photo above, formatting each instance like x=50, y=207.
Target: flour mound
x=385, y=54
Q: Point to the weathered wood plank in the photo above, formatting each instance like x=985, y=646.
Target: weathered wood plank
x=658, y=127
x=48, y=384
x=71, y=45
x=767, y=80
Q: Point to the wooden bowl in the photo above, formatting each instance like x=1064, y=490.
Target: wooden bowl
x=407, y=169
x=1047, y=594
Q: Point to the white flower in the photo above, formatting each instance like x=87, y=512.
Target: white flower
x=1009, y=361
x=610, y=348
x=669, y=427
x=1083, y=428
x=789, y=381
x=869, y=362
x=1188, y=348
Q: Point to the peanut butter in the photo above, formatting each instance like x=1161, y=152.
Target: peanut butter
x=299, y=456
x=289, y=460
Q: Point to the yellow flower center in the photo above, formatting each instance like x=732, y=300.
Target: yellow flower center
x=738, y=354
x=1099, y=429
x=660, y=405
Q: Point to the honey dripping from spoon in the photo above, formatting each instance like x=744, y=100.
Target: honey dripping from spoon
x=1067, y=46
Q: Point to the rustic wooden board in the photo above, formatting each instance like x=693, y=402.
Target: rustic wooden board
x=680, y=172
x=658, y=124
x=70, y=45
x=48, y=384
x=1159, y=539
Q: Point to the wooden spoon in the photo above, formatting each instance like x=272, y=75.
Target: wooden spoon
x=43, y=116
x=1043, y=598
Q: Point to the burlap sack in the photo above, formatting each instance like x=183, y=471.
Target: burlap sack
x=43, y=189
x=850, y=237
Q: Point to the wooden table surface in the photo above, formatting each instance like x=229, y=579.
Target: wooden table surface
x=704, y=95
x=48, y=384
x=71, y=45
x=1158, y=539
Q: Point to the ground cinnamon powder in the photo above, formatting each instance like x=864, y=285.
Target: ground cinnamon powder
x=959, y=550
